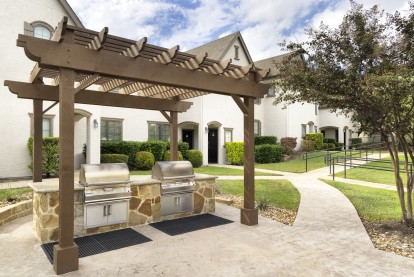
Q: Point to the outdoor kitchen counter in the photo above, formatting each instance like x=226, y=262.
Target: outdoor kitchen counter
x=144, y=205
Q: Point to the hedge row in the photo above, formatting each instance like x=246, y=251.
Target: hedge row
x=159, y=149
x=265, y=153
x=317, y=138
x=50, y=155
x=260, y=140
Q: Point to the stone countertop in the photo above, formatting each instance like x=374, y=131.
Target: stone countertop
x=51, y=185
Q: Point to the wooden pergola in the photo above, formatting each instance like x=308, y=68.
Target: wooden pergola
x=130, y=74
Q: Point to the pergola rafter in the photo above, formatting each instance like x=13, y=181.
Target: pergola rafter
x=146, y=77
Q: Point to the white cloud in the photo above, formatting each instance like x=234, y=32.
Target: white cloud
x=263, y=24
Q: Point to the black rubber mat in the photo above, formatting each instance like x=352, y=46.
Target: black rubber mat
x=99, y=243
x=189, y=224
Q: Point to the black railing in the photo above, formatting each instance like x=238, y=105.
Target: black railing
x=358, y=149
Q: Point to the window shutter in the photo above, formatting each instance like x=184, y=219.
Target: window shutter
x=28, y=29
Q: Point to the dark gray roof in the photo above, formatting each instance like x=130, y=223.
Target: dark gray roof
x=271, y=63
x=216, y=49
x=71, y=13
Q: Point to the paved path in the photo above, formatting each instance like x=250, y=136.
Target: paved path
x=327, y=238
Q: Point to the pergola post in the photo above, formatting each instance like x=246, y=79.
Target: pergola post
x=174, y=136
x=37, y=140
x=249, y=215
x=65, y=254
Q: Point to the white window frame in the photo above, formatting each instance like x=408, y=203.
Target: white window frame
x=120, y=120
x=158, y=123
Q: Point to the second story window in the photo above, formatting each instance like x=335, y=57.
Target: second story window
x=236, y=52
x=38, y=29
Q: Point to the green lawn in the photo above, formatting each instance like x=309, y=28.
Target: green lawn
x=281, y=193
x=14, y=192
x=371, y=203
x=373, y=175
x=212, y=170
x=298, y=165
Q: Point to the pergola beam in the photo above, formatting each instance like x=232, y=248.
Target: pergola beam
x=50, y=93
x=166, y=57
x=88, y=81
x=59, y=33
x=106, y=63
x=194, y=63
x=98, y=41
x=135, y=49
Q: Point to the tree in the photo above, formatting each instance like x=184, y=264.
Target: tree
x=363, y=68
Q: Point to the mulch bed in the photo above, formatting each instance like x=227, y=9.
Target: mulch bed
x=22, y=197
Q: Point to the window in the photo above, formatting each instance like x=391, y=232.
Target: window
x=257, y=127
x=303, y=130
x=228, y=135
x=271, y=92
x=316, y=110
x=258, y=101
x=38, y=29
x=316, y=129
x=236, y=52
x=158, y=131
x=47, y=125
x=111, y=129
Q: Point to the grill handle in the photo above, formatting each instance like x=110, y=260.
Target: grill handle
x=178, y=177
x=104, y=210
x=109, y=209
x=86, y=184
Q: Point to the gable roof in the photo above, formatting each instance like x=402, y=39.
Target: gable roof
x=271, y=63
x=71, y=13
x=216, y=49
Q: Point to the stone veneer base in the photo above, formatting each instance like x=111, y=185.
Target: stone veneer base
x=144, y=207
x=15, y=211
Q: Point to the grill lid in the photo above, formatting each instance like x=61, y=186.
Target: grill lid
x=172, y=170
x=103, y=174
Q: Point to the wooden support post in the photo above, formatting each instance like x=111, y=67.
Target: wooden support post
x=249, y=215
x=174, y=136
x=37, y=140
x=65, y=254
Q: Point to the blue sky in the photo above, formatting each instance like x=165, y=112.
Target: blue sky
x=262, y=23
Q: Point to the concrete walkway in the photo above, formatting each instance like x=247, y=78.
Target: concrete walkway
x=327, y=238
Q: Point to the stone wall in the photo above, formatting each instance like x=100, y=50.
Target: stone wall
x=15, y=211
x=144, y=207
x=46, y=215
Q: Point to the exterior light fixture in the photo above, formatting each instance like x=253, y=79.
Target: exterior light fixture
x=95, y=123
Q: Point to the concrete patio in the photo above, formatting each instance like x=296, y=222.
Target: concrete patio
x=327, y=238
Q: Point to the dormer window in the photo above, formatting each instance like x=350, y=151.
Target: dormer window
x=236, y=52
x=38, y=29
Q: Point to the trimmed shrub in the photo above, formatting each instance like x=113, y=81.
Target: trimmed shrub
x=156, y=147
x=114, y=158
x=339, y=145
x=317, y=138
x=329, y=140
x=356, y=141
x=195, y=157
x=235, y=152
x=50, y=155
x=167, y=156
x=331, y=145
x=260, y=140
x=129, y=148
x=308, y=145
x=325, y=145
x=183, y=147
x=268, y=153
x=288, y=144
x=144, y=160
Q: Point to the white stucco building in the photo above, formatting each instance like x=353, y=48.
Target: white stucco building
x=212, y=121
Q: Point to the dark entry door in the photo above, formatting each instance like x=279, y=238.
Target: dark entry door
x=212, y=145
x=188, y=136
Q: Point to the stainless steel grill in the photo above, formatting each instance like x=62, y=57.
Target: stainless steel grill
x=177, y=186
x=107, y=192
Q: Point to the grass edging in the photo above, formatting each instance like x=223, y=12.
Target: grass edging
x=15, y=211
